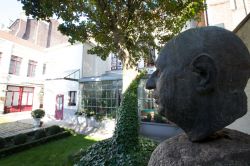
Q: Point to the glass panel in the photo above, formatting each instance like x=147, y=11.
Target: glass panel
x=13, y=88
x=44, y=68
x=30, y=99
x=24, y=98
x=31, y=68
x=17, y=68
x=26, y=89
x=15, y=99
x=12, y=66
x=8, y=99
x=15, y=64
x=147, y=106
x=59, y=103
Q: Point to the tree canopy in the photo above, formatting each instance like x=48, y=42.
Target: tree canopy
x=128, y=28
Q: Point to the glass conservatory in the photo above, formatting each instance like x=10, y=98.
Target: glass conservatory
x=100, y=96
x=146, y=105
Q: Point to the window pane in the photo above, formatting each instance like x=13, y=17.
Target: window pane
x=8, y=99
x=72, y=98
x=15, y=64
x=18, y=64
x=15, y=99
x=31, y=68
x=13, y=88
x=30, y=98
x=60, y=103
x=44, y=68
x=24, y=98
x=26, y=89
x=12, y=67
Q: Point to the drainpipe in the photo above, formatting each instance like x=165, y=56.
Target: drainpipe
x=19, y=27
x=205, y=13
x=49, y=34
x=245, y=8
x=37, y=29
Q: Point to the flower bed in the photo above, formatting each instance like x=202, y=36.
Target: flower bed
x=21, y=142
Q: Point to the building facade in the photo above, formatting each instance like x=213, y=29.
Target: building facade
x=227, y=13
x=40, y=69
x=21, y=74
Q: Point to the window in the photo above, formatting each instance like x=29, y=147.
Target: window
x=116, y=64
x=31, y=68
x=0, y=57
x=72, y=98
x=101, y=98
x=15, y=64
x=44, y=69
x=147, y=106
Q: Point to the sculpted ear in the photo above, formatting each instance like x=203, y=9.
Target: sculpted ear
x=205, y=69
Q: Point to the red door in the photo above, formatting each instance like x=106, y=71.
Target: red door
x=59, y=107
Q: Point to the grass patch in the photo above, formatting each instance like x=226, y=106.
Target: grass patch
x=52, y=154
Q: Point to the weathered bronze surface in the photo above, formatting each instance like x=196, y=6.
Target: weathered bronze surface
x=200, y=79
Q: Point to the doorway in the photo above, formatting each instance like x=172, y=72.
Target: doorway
x=59, y=107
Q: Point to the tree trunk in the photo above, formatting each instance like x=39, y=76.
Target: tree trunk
x=128, y=73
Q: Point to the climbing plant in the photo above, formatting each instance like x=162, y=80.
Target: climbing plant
x=125, y=147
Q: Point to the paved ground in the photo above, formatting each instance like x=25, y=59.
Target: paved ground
x=15, y=123
x=13, y=128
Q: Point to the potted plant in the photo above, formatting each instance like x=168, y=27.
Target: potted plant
x=80, y=118
x=37, y=115
x=90, y=117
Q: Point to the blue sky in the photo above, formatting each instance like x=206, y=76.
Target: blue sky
x=9, y=10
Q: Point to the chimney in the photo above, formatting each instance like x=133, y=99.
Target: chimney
x=30, y=31
x=49, y=34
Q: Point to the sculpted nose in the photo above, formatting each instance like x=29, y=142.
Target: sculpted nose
x=151, y=83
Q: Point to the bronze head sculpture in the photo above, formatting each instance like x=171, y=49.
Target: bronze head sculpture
x=200, y=79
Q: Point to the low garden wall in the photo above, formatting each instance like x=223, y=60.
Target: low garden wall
x=159, y=131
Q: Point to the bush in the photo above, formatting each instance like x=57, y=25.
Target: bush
x=105, y=153
x=20, y=139
x=89, y=112
x=2, y=142
x=79, y=112
x=159, y=119
x=100, y=117
x=148, y=118
x=53, y=130
x=39, y=134
x=38, y=113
